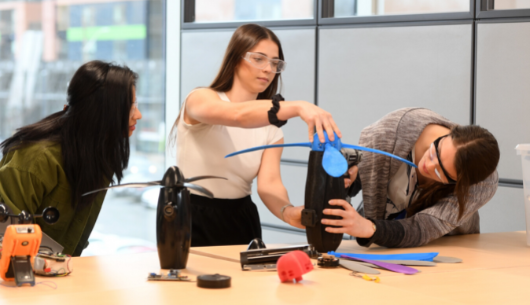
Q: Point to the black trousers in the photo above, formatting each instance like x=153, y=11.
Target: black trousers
x=220, y=222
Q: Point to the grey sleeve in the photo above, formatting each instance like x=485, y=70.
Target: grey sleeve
x=442, y=218
x=421, y=229
x=409, y=232
x=434, y=222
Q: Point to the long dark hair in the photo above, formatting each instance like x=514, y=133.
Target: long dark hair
x=476, y=158
x=93, y=129
x=243, y=40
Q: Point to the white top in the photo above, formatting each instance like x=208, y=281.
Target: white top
x=401, y=188
x=201, y=150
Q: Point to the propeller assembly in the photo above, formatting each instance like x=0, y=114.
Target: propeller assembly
x=333, y=161
x=173, y=216
x=325, y=169
x=171, y=179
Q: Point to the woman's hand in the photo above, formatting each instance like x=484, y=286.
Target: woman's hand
x=318, y=118
x=293, y=216
x=351, y=223
x=352, y=172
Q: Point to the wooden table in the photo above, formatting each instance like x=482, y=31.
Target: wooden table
x=496, y=270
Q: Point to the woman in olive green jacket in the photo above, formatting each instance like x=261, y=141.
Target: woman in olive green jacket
x=71, y=152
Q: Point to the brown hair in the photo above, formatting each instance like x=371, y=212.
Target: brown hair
x=243, y=40
x=476, y=158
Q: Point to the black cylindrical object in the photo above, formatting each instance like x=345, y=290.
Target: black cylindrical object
x=213, y=281
x=320, y=188
x=173, y=222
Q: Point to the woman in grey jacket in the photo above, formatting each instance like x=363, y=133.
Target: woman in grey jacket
x=408, y=207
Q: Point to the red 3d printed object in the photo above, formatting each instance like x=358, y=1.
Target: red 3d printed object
x=292, y=265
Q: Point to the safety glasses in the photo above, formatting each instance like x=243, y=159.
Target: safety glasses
x=433, y=151
x=261, y=61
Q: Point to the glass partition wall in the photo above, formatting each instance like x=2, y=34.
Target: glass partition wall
x=42, y=43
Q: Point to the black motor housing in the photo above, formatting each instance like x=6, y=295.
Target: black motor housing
x=319, y=189
x=173, y=222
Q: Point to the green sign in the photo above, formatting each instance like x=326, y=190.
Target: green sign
x=115, y=32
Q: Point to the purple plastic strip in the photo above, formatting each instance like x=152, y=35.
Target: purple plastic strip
x=387, y=266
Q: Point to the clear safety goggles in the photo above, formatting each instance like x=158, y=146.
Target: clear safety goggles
x=261, y=61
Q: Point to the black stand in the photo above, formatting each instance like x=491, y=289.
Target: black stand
x=20, y=268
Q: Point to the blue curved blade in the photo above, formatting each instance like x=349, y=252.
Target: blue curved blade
x=405, y=256
x=377, y=151
x=333, y=162
x=308, y=144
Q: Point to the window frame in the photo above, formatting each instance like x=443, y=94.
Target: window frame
x=485, y=10
x=326, y=7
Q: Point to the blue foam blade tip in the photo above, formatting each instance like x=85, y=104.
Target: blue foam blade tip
x=333, y=162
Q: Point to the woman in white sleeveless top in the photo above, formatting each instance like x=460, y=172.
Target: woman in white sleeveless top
x=237, y=112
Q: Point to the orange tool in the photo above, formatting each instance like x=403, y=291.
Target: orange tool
x=19, y=248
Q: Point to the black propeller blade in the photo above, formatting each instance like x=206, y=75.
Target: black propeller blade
x=203, y=177
x=143, y=184
x=199, y=189
x=160, y=183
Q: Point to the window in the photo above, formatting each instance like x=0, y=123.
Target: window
x=358, y=8
x=511, y=4
x=503, y=8
x=248, y=10
x=42, y=43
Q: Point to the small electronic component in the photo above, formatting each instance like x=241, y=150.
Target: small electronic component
x=260, y=267
x=263, y=259
x=366, y=277
x=56, y=264
x=328, y=261
x=172, y=275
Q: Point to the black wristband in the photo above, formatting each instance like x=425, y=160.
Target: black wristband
x=273, y=118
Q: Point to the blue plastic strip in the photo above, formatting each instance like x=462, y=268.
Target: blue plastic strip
x=379, y=152
x=319, y=146
x=407, y=256
x=308, y=144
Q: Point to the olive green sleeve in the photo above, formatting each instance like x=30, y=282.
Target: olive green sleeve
x=27, y=176
x=21, y=190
